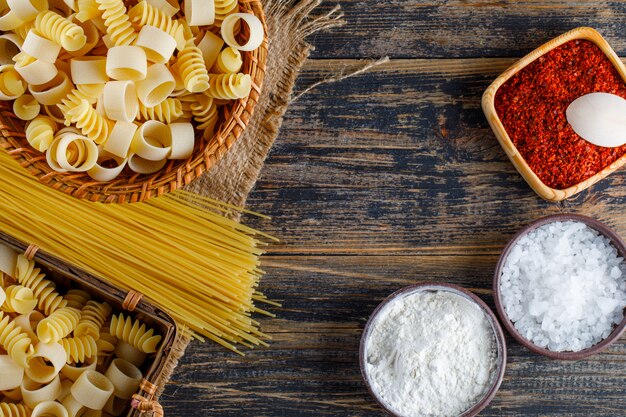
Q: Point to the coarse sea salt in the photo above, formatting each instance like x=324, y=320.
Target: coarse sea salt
x=563, y=286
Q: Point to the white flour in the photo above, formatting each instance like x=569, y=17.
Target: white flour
x=431, y=354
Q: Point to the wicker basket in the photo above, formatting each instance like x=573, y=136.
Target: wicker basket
x=66, y=276
x=130, y=187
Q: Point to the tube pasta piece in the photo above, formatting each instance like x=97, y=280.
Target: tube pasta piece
x=58, y=325
x=77, y=298
x=60, y=30
x=93, y=316
x=15, y=341
x=28, y=322
x=192, y=68
x=158, y=45
x=54, y=91
x=200, y=12
x=28, y=275
x=9, y=20
x=40, y=48
x=144, y=166
x=72, y=153
x=89, y=92
x=19, y=300
x=167, y=111
x=27, y=10
x=152, y=141
x=168, y=7
x=79, y=348
x=134, y=333
x=92, y=125
x=10, y=45
x=183, y=138
x=88, y=10
x=120, y=100
x=11, y=374
x=8, y=260
x=92, y=390
x=73, y=371
x=144, y=14
x=156, y=87
x=229, y=61
x=120, y=139
x=49, y=409
x=126, y=63
x=103, y=173
x=46, y=363
x=11, y=84
x=115, y=406
x=117, y=22
x=254, y=24
x=3, y=295
x=66, y=385
x=125, y=378
x=26, y=107
x=128, y=352
x=13, y=410
x=89, y=70
x=224, y=8
x=33, y=70
x=210, y=46
x=229, y=86
x=34, y=393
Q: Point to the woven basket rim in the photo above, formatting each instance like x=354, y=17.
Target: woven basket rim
x=176, y=173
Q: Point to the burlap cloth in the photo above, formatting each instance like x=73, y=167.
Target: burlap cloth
x=289, y=22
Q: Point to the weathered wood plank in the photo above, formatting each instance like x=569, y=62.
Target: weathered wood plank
x=311, y=369
x=462, y=29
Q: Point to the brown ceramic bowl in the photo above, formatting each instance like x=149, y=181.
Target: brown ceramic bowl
x=435, y=286
x=510, y=327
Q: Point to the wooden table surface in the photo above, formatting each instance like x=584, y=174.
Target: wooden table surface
x=381, y=181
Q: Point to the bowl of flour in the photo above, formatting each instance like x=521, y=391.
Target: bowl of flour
x=560, y=286
x=433, y=350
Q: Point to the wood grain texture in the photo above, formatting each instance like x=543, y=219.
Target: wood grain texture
x=381, y=181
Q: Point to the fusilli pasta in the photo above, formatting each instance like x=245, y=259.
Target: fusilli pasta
x=192, y=69
x=229, y=86
x=79, y=348
x=60, y=30
x=13, y=410
x=92, y=317
x=117, y=22
x=31, y=277
x=134, y=333
x=19, y=300
x=91, y=124
x=15, y=341
x=167, y=111
x=58, y=325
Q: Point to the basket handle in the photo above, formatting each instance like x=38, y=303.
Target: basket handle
x=131, y=300
x=148, y=403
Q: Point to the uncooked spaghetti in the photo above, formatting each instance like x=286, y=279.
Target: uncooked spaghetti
x=179, y=250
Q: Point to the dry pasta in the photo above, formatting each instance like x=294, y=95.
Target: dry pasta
x=30, y=276
x=59, y=29
x=92, y=317
x=134, y=333
x=58, y=325
x=76, y=298
x=167, y=111
x=192, y=69
x=15, y=341
x=205, y=113
x=79, y=348
x=13, y=410
x=229, y=86
x=91, y=124
x=26, y=107
x=89, y=92
x=19, y=299
x=117, y=22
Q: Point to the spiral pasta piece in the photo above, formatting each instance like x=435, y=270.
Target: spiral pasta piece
x=204, y=112
x=76, y=298
x=60, y=30
x=87, y=10
x=168, y=110
x=31, y=277
x=229, y=86
x=79, y=348
x=143, y=14
x=134, y=333
x=91, y=123
x=192, y=69
x=40, y=132
x=11, y=83
x=13, y=410
x=58, y=325
x=92, y=317
x=117, y=22
x=223, y=8
x=19, y=300
x=89, y=92
x=22, y=31
x=15, y=341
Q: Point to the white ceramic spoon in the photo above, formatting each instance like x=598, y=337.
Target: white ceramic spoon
x=599, y=118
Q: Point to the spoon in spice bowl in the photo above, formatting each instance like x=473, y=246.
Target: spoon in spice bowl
x=599, y=118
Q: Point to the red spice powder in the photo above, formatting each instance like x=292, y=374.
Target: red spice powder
x=532, y=104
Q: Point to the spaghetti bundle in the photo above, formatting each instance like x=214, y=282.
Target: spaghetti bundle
x=179, y=250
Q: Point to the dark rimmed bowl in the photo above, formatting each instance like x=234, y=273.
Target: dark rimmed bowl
x=603, y=229
x=435, y=286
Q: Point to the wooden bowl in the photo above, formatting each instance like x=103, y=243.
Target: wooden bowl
x=131, y=187
x=488, y=105
x=435, y=286
x=508, y=324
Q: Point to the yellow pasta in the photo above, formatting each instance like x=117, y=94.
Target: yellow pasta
x=89, y=92
x=223, y=8
x=79, y=348
x=92, y=317
x=144, y=14
x=22, y=31
x=229, y=61
x=40, y=132
x=29, y=276
x=134, y=333
x=167, y=111
x=60, y=30
x=87, y=10
x=117, y=22
x=26, y=107
x=91, y=124
x=229, y=86
x=58, y=325
x=13, y=410
x=11, y=83
x=15, y=341
x=192, y=69
x=19, y=300
x=205, y=113
x=76, y=298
